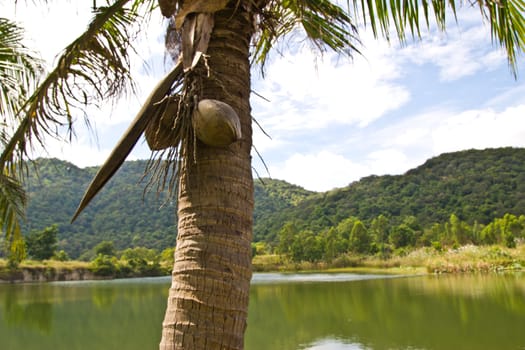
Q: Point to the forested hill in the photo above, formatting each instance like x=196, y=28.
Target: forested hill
x=475, y=185
x=121, y=212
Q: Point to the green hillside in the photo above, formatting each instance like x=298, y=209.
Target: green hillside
x=121, y=212
x=475, y=185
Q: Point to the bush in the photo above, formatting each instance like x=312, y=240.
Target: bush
x=104, y=265
x=61, y=255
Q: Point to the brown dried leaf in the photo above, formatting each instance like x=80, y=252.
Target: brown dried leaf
x=198, y=6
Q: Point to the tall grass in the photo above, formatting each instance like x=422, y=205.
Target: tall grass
x=468, y=258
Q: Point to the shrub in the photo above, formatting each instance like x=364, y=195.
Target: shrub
x=104, y=265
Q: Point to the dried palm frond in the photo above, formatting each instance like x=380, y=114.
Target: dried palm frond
x=198, y=6
x=171, y=104
x=152, y=107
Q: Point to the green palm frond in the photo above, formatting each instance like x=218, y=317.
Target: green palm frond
x=19, y=72
x=12, y=204
x=19, y=69
x=507, y=23
x=92, y=68
x=325, y=24
x=506, y=19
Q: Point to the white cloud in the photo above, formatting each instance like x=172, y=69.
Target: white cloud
x=319, y=171
x=388, y=161
x=310, y=92
x=38, y=21
x=484, y=128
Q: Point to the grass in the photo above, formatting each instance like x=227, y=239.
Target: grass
x=468, y=258
x=55, y=264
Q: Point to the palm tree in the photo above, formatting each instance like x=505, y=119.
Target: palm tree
x=208, y=298
x=19, y=70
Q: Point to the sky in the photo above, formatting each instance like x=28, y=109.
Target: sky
x=332, y=120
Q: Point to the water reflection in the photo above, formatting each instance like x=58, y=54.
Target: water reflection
x=35, y=313
x=89, y=315
x=287, y=311
x=434, y=312
x=333, y=344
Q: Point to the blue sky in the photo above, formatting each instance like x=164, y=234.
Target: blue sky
x=332, y=120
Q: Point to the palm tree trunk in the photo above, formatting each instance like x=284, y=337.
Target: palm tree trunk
x=208, y=298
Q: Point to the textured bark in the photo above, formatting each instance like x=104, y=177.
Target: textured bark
x=208, y=298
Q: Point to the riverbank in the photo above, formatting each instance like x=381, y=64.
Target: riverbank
x=30, y=271
x=420, y=261
x=468, y=258
x=47, y=271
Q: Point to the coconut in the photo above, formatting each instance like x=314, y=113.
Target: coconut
x=216, y=123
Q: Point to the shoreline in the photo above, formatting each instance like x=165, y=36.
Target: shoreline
x=466, y=259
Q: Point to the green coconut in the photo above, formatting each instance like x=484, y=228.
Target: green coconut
x=216, y=123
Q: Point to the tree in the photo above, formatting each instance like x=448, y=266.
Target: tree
x=379, y=230
x=306, y=246
x=41, y=245
x=359, y=241
x=334, y=245
x=215, y=189
x=105, y=248
x=286, y=235
x=458, y=232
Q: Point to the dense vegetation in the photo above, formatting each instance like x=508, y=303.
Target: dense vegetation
x=472, y=188
x=122, y=212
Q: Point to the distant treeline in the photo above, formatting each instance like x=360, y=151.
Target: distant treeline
x=478, y=186
x=384, y=238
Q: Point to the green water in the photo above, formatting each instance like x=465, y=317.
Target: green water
x=321, y=311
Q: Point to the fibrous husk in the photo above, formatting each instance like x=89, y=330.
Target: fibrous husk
x=198, y=6
x=216, y=123
x=160, y=130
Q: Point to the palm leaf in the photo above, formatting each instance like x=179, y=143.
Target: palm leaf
x=19, y=70
x=92, y=68
x=507, y=23
x=326, y=25
x=12, y=204
x=506, y=19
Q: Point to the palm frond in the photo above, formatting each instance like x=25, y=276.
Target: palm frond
x=325, y=24
x=92, y=68
x=12, y=204
x=19, y=69
x=506, y=19
x=19, y=72
x=507, y=23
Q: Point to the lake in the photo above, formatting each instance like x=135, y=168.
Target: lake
x=287, y=311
